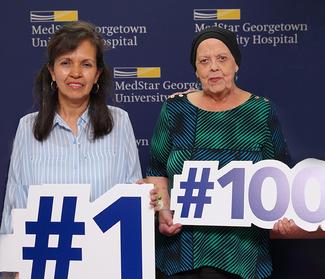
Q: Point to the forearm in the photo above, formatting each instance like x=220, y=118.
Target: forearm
x=161, y=202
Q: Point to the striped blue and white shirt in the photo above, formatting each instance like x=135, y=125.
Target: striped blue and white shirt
x=67, y=158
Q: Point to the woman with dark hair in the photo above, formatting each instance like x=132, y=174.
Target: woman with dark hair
x=68, y=39
x=74, y=137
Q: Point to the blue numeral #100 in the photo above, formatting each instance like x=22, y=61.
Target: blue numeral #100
x=236, y=176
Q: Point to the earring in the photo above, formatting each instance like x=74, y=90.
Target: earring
x=236, y=76
x=53, y=86
x=97, y=88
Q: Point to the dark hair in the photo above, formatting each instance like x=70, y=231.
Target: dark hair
x=65, y=40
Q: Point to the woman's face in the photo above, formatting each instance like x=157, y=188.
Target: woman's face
x=75, y=73
x=215, y=66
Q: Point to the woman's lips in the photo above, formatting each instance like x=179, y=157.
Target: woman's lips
x=215, y=79
x=74, y=85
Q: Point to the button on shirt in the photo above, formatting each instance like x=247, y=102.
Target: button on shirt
x=67, y=158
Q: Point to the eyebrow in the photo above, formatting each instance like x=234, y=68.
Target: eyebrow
x=83, y=60
x=205, y=55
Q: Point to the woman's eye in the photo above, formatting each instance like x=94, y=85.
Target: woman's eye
x=222, y=58
x=204, y=61
x=64, y=63
x=87, y=65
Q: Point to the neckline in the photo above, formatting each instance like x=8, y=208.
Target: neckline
x=223, y=111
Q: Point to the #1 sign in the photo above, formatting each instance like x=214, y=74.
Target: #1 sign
x=242, y=193
x=62, y=235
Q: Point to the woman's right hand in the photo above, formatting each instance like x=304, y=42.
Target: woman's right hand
x=166, y=226
x=159, y=200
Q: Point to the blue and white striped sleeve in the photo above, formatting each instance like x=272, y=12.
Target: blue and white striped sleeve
x=15, y=196
x=133, y=169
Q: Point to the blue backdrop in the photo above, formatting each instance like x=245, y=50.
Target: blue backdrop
x=149, y=41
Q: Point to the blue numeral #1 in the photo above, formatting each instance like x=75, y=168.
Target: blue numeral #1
x=127, y=211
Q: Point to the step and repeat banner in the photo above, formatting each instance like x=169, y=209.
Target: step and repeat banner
x=148, y=49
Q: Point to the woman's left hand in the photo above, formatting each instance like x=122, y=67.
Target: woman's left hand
x=286, y=228
x=142, y=181
x=156, y=200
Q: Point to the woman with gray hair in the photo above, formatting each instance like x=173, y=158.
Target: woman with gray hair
x=220, y=122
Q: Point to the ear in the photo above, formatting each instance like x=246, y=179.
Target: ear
x=50, y=69
x=237, y=68
x=99, y=72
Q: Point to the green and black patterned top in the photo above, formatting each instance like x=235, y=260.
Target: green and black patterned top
x=184, y=132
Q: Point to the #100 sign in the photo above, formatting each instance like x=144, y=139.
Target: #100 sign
x=242, y=193
x=62, y=235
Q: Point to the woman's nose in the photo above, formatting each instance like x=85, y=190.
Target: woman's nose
x=75, y=71
x=214, y=65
